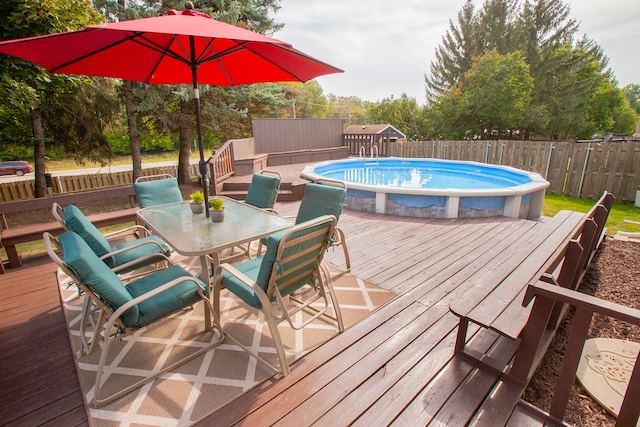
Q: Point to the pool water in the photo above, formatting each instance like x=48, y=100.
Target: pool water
x=407, y=174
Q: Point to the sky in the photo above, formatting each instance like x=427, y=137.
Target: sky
x=386, y=47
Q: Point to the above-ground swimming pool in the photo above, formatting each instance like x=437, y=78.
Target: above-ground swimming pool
x=435, y=188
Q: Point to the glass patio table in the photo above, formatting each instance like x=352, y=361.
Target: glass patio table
x=192, y=234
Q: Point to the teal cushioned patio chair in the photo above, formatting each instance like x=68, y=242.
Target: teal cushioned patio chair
x=263, y=190
x=262, y=194
x=145, y=250
x=156, y=190
x=112, y=309
x=324, y=197
x=292, y=263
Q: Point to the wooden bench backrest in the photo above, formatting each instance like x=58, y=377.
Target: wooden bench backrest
x=66, y=199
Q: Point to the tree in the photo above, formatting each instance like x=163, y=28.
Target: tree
x=496, y=27
x=171, y=102
x=564, y=72
x=497, y=94
x=609, y=111
x=351, y=109
x=567, y=74
x=307, y=100
x=404, y=113
x=35, y=96
x=632, y=93
x=493, y=101
x=454, y=55
x=117, y=11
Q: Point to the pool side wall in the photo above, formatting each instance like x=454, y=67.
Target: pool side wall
x=521, y=201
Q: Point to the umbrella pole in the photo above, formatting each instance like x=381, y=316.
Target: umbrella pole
x=203, y=164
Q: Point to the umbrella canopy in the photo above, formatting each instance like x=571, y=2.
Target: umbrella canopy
x=163, y=50
x=183, y=47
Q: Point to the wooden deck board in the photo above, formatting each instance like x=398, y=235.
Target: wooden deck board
x=388, y=367
x=376, y=359
x=38, y=378
x=389, y=404
x=378, y=385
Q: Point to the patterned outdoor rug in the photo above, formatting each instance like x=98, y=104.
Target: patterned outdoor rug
x=198, y=388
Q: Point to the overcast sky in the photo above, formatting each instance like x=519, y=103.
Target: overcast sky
x=385, y=47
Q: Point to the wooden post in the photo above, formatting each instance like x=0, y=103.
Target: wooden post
x=575, y=344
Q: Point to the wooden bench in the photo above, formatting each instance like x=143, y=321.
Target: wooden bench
x=511, y=337
x=10, y=237
x=548, y=295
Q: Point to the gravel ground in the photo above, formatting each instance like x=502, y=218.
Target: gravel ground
x=613, y=276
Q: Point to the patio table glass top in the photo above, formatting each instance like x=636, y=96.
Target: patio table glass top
x=196, y=235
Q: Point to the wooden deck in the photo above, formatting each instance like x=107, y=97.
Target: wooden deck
x=394, y=367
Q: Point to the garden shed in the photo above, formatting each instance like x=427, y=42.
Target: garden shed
x=378, y=135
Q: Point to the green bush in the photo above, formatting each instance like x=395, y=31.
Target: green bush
x=148, y=144
x=119, y=143
x=16, y=152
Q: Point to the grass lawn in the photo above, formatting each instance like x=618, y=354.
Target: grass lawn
x=66, y=164
x=615, y=222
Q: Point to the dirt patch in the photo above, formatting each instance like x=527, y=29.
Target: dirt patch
x=612, y=276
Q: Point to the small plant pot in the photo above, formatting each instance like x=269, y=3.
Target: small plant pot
x=217, y=215
x=197, y=208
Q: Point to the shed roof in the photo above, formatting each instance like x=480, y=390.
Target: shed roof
x=371, y=130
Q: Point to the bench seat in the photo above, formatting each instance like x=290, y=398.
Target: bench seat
x=498, y=307
x=12, y=236
x=556, y=254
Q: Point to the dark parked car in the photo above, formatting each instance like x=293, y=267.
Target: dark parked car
x=17, y=167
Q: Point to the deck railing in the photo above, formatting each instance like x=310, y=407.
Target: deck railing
x=22, y=190
x=220, y=166
x=586, y=306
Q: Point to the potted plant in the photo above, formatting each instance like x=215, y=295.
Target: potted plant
x=197, y=202
x=217, y=209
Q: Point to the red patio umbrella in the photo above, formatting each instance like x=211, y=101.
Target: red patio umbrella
x=183, y=47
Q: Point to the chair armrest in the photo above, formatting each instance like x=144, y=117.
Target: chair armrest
x=237, y=273
x=578, y=299
x=133, y=246
x=246, y=281
x=140, y=228
x=137, y=261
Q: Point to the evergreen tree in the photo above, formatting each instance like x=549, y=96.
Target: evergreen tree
x=225, y=111
x=455, y=54
x=566, y=73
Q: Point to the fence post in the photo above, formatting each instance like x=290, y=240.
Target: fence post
x=584, y=168
x=546, y=171
x=486, y=152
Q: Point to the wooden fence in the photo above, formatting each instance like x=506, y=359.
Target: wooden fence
x=578, y=169
x=584, y=169
x=21, y=190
